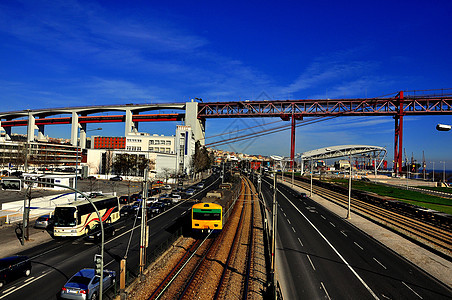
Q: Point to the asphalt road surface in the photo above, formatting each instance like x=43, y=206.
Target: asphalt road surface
x=321, y=256
x=54, y=262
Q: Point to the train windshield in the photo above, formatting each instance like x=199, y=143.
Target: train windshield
x=206, y=216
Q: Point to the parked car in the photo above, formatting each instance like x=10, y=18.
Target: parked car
x=44, y=221
x=14, y=267
x=95, y=233
x=95, y=194
x=116, y=178
x=127, y=211
x=85, y=284
x=91, y=177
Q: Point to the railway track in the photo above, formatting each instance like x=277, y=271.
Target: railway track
x=433, y=236
x=216, y=267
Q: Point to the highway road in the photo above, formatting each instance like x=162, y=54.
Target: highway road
x=320, y=255
x=55, y=262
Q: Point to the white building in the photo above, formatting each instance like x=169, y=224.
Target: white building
x=141, y=141
x=168, y=154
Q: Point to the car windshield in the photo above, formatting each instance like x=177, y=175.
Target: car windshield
x=65, y=216
x=80, y=279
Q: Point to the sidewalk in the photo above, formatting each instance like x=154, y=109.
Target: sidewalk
x=431, y=263
x=10, y=244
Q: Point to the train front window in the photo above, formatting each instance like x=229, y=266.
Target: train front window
x=206, y=216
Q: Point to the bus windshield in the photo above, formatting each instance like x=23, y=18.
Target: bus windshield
x=65, y=216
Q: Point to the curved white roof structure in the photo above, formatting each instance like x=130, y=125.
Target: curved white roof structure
x=339, y=151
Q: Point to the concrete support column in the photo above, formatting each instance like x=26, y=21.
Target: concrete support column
x=31, y=128
x=41, y=135
x=74, y=129
x=82, y=135
x=130, y=126
x=7, y=133
x=191, y=119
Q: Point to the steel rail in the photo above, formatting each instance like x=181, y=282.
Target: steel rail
x=234, y=245
x=250, y=245
x=192, y=249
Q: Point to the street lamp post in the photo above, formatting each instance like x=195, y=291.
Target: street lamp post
x=433, y=172
x=444, y=171
x=349, y=187
x=76, y=158
x=310, y=192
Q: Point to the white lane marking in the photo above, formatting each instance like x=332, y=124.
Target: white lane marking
x=293, y=229
x=332, y=224
x=344, y=233
x=412, y=290
x=11, y=288
x=312, y=265
x=300, y=242
x=284, y=214
x=334, y=249
x=379, y=263
x=326, y=292
x=23, y=285
x=281, y=209
x=288, y=221
x=323, y=217
x=28, y=279
x=358, y=245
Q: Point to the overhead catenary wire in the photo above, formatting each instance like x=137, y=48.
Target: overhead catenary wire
x=268, y=131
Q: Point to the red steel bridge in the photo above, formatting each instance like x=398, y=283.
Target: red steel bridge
x=398, y=106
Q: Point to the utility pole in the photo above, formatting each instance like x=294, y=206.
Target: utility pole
x=349, y=188
x=310, y=193
x=143, y=224
x=275, y=215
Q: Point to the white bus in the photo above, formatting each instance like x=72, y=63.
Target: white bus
x=77, y=218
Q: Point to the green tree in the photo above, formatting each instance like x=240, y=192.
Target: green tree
x=202, y=159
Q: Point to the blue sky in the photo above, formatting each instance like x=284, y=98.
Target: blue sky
x=72, y=53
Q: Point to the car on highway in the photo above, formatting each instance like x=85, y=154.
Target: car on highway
x=166, y=202
x=167, y=187
x=127, y=211
x=44, y=221
x=124, y=199
x=200, y=185
x=157, y=208
x=175, y=198
x=85, y=284
x=116, y=178
x=151, y=200
x=302, y=196
x=190, y=192
x=14, y=267
x=95, y=234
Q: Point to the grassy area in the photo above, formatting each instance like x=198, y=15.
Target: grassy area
x=438, y=189
x=416, y=198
